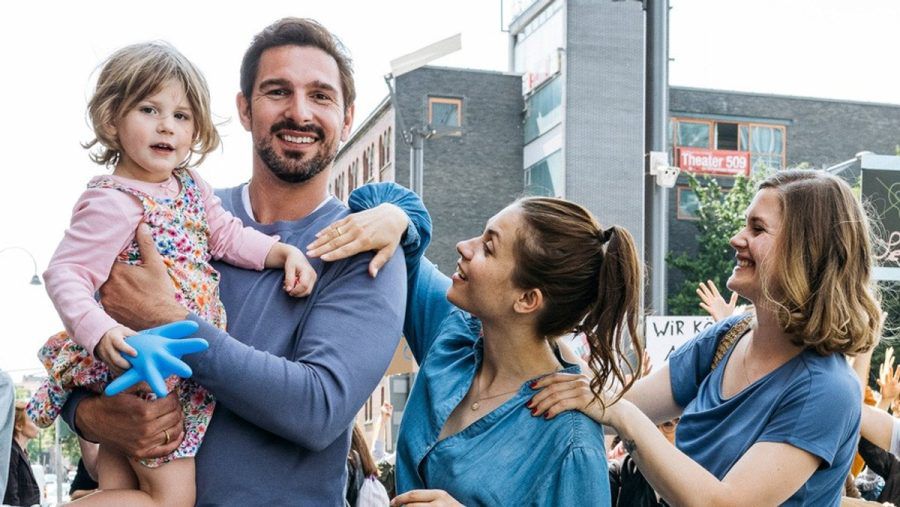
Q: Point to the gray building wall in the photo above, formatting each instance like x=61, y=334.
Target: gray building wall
x=470, y=177
x=604, y=111
x=819, y=132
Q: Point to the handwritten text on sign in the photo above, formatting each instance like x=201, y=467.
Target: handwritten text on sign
x=665, y=334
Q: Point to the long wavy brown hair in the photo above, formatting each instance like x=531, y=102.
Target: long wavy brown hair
x=591, y=282
x=819, y=276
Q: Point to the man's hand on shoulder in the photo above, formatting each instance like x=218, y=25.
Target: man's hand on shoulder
x=142, y=296
x=132, y=425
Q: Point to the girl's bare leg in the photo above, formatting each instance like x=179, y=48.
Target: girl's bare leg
x=172, y=484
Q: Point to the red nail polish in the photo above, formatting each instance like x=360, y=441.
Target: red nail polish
x=534, y=411
x=533, y=384
x=547, y=415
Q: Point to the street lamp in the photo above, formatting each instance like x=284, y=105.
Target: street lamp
x=415, y=137
x=843, y=166
x=35, y=279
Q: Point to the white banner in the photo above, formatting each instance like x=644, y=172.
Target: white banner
x=665, y=334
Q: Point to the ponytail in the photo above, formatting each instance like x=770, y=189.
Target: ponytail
x=590, y=279
x=614, y=314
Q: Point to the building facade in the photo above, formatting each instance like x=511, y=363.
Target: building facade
x=472, y=168
x=712, y=129
x=582, y=66
x=583, y=76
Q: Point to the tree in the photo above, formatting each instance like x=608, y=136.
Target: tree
x=720, y=215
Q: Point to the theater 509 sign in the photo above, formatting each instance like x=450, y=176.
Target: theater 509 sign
x=716, y=162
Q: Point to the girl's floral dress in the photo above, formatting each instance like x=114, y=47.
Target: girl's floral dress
x=179, y=228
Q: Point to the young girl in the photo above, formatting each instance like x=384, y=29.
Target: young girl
x=150, y=115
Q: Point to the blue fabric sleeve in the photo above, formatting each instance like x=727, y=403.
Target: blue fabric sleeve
x=71, y=406
x=798, y=421
x=418, y=234
x=426, y=307
x=690, y=364
x=427, y=304
x=582, y=479
x=312, y=399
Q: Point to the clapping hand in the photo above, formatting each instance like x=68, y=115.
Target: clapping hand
x=888, y=379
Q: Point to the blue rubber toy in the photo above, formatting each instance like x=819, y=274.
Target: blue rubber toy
x=159, y=356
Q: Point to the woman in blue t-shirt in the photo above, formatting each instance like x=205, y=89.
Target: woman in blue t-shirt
x=770, y=410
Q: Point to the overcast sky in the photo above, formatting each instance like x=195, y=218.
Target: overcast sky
x=50, y=50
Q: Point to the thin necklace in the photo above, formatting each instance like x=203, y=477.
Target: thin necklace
x=478, y=398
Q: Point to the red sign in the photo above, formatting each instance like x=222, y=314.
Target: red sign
x=718, y=162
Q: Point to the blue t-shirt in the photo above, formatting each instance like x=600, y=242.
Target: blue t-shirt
x=812, y=402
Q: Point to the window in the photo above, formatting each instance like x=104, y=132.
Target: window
x=368, y=410
x=387, y=147
x=369, y=174
x=381, y=151
x=693, y=134
x=687, y=203
x=339, y=186
x=353, y=178
x=764, y=142
x=546, y=177
x=444, y=112
x=727, y=136
x=543, y=110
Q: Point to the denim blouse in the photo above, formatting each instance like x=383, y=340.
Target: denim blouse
x=508, y=457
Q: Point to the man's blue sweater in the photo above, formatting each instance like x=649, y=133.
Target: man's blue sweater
x=290, y=374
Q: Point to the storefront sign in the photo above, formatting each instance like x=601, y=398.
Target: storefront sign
x=715, y=162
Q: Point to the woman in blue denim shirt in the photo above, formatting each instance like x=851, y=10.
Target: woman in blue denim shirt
x=776, y=420
x=543, y=268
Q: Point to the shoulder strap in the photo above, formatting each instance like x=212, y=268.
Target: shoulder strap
x=737, y=330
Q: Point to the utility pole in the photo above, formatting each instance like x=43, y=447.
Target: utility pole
x=655, y=140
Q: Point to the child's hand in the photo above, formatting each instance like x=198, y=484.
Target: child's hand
x=111, y=347
x=299, y=276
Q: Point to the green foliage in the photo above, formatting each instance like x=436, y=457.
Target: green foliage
x=41, y=447
x=721, y=215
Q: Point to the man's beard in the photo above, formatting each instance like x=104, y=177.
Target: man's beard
x=291, y=168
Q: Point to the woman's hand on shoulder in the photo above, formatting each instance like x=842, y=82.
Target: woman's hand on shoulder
x=425, y=497
x=379, y=229
x=559, y=392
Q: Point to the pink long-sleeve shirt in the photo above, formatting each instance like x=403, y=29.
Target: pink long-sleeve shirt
x=103, y=224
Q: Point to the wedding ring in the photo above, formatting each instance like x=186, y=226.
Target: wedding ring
x=338, y=229
x=166, y=433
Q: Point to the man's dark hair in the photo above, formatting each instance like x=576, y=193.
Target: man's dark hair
x=301, y=32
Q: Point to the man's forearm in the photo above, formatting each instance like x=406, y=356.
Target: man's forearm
x=308, y=403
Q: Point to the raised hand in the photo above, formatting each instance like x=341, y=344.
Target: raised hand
x=888, y=380
x=713, y=302
x=159, y=352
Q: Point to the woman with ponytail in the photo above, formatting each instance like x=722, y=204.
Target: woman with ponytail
x=543, y=268
x=770, y=409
